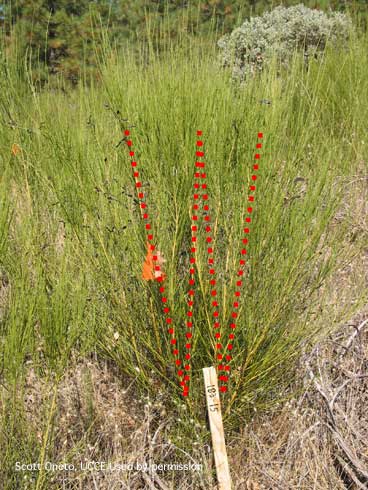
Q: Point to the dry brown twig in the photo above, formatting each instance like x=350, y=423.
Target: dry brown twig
x=347, y=457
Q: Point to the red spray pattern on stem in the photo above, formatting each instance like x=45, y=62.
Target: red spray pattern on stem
x=224, y=368
x=153, y=258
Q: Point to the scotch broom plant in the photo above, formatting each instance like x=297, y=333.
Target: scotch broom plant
x=72, y=252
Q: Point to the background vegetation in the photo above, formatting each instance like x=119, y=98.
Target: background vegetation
x=62, y=36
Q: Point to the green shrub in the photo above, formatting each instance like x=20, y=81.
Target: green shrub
x=279, y=33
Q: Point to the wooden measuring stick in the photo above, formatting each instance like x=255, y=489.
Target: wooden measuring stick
x=217, y=428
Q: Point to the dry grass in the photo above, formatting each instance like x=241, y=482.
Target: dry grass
x=317, y=440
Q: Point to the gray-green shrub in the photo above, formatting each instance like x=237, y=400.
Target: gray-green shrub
x=249, y=48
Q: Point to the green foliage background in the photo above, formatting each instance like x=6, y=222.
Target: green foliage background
x=62, y=36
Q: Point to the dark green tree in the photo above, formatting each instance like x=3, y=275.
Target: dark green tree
x=57, y=35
